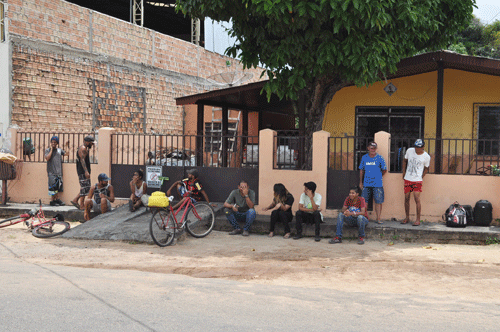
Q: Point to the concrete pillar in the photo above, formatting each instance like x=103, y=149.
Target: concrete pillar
x=103, y=152
x=383, y=140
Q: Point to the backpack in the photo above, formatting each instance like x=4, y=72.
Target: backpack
x=455, y=216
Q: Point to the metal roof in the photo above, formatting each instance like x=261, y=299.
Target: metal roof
x=248, y=96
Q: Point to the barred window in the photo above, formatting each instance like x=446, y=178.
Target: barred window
x=488, y=130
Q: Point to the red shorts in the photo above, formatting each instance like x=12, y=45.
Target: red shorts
x=411, y=186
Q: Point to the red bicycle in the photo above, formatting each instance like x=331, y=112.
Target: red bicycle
x=39, y=225
x=197, y=218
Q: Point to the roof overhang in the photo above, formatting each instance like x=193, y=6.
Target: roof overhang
x=249, y=96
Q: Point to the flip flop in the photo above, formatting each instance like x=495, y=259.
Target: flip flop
x=405, y=221
x=380, y=222
x=416, y=223
x=287, y=236
x=75, y=205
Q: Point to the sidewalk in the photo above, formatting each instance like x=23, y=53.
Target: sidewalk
x=122, y=225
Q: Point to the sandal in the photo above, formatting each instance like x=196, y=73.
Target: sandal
x=416, y=223
x=271, y=234
x=76, y=205
x=286, y=236
x=380, y=222
x=405, y=221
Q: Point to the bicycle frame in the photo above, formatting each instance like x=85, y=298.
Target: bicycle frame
x=31, y=219
x=185, y=205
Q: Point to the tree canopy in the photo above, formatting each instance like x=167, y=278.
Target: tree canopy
x=479, y=40
x=313, y=48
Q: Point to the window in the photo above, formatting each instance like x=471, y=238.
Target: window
x=488, y=130
x=2, y=22
x=213, y=133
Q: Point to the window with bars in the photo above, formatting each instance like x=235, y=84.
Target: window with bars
x=488, y=130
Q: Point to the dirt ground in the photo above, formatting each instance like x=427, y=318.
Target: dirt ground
x=449, y=271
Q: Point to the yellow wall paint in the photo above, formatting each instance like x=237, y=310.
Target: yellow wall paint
x=461, y=90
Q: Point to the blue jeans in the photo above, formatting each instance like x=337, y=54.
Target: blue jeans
x=376, y=192
x=360, y=221
x=247, y=217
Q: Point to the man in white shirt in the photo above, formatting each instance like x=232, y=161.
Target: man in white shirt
x=309, y=210
x=415, y=166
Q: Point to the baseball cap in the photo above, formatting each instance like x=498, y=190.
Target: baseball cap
x=89, y=139
x=372, y=144
x=310, y=185
x=103, y=177
x=419, y=143
x=193, y=172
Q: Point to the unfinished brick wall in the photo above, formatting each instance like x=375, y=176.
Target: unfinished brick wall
x=76, y=69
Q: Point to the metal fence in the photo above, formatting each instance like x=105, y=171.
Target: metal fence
x=31, y=146
x=290, y=152
x=211, y=150
x=448, y=155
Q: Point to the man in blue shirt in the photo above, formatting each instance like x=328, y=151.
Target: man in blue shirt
x=371, y=170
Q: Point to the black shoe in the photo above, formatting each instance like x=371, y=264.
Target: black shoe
x=298, y=236
x=236, y=231
x=317, y=239
x=59, y=202
x=53, y=203
x=335, y=240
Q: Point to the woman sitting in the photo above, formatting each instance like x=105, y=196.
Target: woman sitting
x=138, y=187
x=283, y=202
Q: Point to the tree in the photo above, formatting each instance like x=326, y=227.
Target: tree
x=313, y=48
x=479, y=40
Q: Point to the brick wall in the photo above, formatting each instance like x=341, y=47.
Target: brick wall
x=76, y=69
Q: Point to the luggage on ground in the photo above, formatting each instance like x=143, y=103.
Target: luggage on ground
x=470, y=214
x=455, y=216
x=483, y=213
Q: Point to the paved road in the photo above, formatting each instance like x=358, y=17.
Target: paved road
x=38, y=297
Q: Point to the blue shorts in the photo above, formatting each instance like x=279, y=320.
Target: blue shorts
x=376, y=192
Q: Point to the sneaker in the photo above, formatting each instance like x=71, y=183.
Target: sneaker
x=59, y=202
x=335, y=240
x=245, y=233
x=317, y=239
x=53, y=203
x=236, y=232
x=361, y=240
x=298, y=236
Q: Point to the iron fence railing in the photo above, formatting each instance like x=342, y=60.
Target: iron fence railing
x=290, y=153
x=211, y=150
x=448, y=155
x=31, y=145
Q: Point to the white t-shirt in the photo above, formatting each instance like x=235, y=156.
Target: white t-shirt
x=306, y=201
x=416, y=164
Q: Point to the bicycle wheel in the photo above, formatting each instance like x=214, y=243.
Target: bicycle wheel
x=5, y=223
x=50, y=229
x=200, y=219
x=162, y=228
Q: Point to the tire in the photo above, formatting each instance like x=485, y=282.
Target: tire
x=200, y=220
x=162, y=228
x=50, y=229
x=5, y=223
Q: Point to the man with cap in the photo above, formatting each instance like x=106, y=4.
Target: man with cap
x=371, y=170
x=415, y=166
x=53, y=155
x=309, y=210
x=190, y=184
x=100, y=197
x=83, y=171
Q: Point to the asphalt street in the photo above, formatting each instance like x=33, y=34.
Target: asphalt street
x=38, y=297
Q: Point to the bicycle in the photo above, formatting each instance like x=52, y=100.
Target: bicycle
x=36, y=221
x=198, y=219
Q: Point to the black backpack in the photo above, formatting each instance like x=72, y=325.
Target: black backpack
x=455, y=216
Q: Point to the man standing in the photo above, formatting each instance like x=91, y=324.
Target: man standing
x=83, y=171
x=415, y=166
x=190, y=184
x=309, y=211
x=53, y=155
x=239, y=207
x=100, y=197
x=371, y=170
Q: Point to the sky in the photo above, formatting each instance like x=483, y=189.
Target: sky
x=488, y=11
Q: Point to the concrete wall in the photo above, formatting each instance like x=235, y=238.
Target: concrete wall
x=4, y=84
x=77, y=69
x=462, y=90
x=439, y=191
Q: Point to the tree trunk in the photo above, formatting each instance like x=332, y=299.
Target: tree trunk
x=317, y=98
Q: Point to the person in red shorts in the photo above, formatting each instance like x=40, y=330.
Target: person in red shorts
x=415, y=166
